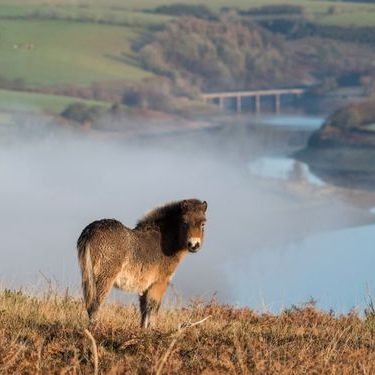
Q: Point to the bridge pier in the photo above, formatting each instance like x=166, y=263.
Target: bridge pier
x=221, y=102
x=277, y=103
x=238, y=104
x=257, y=104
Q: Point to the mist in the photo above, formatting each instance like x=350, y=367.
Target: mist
x=53, y=187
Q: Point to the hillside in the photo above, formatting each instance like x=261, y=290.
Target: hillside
x=46, y=335
x=66, y=48
x=54, y=52
x=232, y=54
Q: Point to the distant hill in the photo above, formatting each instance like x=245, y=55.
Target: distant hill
x=353, y=125
x=342, y=151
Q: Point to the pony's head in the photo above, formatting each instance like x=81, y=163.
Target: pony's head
x=193, y=221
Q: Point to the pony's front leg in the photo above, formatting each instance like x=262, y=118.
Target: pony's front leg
x=150, y=301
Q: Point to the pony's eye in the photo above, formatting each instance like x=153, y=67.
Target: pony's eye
x=202, y=225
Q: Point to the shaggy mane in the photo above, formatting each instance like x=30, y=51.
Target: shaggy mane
x=160, y=213
x=168, y=210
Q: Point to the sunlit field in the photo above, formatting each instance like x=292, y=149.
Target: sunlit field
x=47, y=335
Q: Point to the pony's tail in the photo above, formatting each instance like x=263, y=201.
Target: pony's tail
x=88, y=278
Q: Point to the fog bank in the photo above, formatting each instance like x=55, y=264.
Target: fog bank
x=51, y=189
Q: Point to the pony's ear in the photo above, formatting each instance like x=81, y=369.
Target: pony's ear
x=204, y=205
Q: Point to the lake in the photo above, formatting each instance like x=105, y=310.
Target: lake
x=276, y=234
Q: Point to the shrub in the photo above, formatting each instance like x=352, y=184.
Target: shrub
x=81, y=112
x=12, y=84
x=153, y=93
x=199, y=11
x=274, y=9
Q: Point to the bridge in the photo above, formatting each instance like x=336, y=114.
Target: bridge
x=255, y=96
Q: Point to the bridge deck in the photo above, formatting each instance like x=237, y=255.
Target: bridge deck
x=253, y=93
x=220, y=97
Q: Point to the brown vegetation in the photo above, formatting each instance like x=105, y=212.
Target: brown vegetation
x=354, y=115
x=46, y=335
x=235, y=53
x=216, y=55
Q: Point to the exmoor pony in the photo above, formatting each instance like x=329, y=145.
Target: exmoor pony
x=140, y=260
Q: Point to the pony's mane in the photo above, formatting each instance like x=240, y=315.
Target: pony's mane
x=160, y=213
x=171, y=209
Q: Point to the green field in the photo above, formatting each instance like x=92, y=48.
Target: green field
x=33, y=102
x=52, y=52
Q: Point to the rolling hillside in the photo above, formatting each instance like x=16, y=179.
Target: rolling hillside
x=82, y=42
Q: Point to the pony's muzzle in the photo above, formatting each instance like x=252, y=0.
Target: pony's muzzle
x=194, y=244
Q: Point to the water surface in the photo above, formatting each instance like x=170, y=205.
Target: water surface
x=297, y=121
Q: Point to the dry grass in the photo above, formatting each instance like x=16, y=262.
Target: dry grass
x=46, y=335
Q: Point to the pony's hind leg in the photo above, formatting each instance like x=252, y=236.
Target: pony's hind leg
x=103, y=287
x=150, y=302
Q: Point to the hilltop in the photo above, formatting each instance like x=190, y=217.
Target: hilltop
x=46, y=335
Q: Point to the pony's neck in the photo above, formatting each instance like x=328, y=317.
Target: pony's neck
x=171, y=241
x=168, y=229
